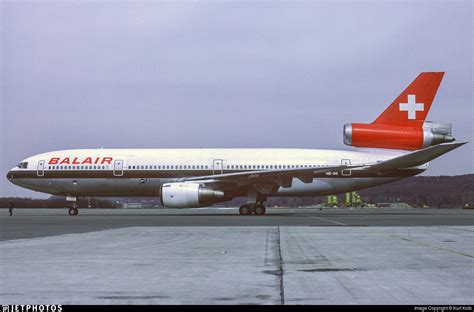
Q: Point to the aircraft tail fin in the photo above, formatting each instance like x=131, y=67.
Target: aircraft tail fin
x=402, y=125
x=411, y=107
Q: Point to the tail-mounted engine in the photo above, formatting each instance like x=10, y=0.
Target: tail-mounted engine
x=397, y=137
x=187, y=195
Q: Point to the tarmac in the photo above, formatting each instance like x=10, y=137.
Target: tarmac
x=215, y=256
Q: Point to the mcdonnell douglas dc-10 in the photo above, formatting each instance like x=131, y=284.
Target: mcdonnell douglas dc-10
x=398, y=144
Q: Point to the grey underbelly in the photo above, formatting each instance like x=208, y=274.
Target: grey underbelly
x=329, y=186
x=96, y=187
x=150, y=187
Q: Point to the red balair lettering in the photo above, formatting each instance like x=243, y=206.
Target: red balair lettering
x=106, y=160
x=53, y=161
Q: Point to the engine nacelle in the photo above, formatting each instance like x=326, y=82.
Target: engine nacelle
x=396, y=137
x=188, y=195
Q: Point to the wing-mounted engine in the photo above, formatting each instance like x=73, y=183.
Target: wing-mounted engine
x=397, y=137
x=187, y=195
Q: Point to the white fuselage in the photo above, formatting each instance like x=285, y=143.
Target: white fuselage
x=141, y=172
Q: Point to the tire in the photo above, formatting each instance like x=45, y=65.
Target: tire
x=244, y=210
x=260, y=210
x=73, y=211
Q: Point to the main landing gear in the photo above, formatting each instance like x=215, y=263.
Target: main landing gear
x=252, y=209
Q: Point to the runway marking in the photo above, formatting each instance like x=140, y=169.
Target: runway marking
x=417, y=242
x=327, y=220
x=435, y=247
x=401, y=237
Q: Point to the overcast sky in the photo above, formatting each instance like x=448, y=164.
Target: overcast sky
x=91, y=74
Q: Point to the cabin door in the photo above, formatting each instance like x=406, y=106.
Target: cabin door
x=346, y=172
x=217, y=166
x=40, y=168
x=118, y=168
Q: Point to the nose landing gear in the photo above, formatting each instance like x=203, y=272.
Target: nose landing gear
x=73, y=211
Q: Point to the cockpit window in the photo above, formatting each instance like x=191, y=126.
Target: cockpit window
x=23, y=165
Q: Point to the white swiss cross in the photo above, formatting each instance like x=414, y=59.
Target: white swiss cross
x=412, y=107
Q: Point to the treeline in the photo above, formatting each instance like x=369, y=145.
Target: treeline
x=437, y=192
x=442, y=191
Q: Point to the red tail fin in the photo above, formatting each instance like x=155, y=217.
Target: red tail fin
x=411, y=107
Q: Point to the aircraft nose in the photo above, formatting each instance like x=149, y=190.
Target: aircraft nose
x=10, y=175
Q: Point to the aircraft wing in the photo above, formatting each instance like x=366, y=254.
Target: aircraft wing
x=415, y=158
x=266, y=181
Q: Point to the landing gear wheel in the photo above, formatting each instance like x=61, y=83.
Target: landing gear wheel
x=73, y=211
x=244, y=210
x=260, y=210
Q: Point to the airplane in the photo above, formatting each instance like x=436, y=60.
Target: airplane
x=398, y=144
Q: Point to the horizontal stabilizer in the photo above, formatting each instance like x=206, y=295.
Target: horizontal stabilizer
x=416, y=158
